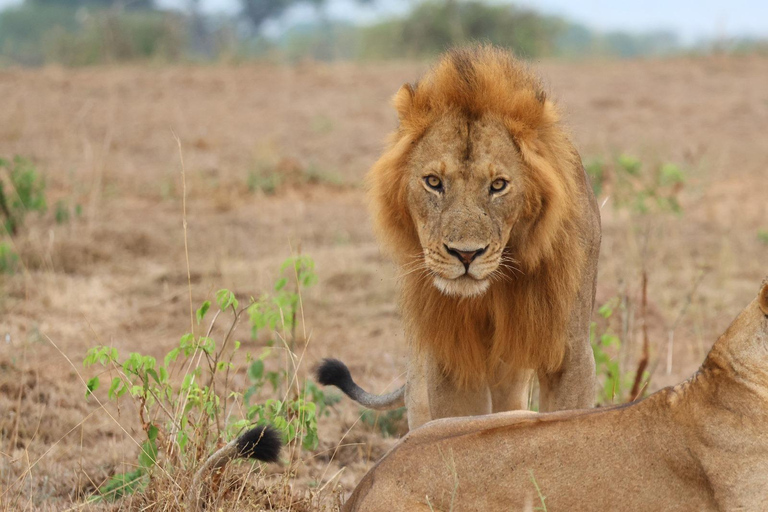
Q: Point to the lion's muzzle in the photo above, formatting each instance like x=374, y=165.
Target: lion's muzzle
x=466, y=257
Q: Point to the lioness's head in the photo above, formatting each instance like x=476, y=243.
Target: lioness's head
x=474, y=188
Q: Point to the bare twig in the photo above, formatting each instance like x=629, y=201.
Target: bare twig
x=643, y=363
x=184, y=224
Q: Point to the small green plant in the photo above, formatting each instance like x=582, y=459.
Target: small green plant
x=635, y=186
x=264, y=180
x=279, y=310
x=616, y=383
x=22, y=190
x=271, y=175
x=762, y=235
x=281, y=307
x=390, y=424
x=9, y=260
x=63, y=212
x=596, y=172
x=315, y=175
x=185, y=402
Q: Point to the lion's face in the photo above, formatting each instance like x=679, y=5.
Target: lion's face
x=465, y=193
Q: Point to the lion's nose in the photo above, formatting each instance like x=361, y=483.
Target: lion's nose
x=465, y=257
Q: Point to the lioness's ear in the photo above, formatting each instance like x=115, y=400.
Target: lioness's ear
x=763, y=298
x=404, y=101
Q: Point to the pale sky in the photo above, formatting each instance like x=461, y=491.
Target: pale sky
x=692, y=19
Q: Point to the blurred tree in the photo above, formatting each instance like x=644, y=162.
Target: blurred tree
x=259, y=11
x=127, y=4
x=435, y=25
x=200, y=40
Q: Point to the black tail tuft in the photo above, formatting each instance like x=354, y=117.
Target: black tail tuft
x=260, y=443
x=332, y=372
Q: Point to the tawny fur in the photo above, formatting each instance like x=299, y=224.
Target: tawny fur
x=698, y=446
x=479, y=332
x=526, y=319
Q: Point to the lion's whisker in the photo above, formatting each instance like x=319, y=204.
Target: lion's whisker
x=411, y=271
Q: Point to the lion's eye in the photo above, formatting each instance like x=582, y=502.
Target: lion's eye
x=498, y=185
x=433, y=182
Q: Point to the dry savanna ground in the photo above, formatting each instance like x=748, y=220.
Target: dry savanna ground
x=117, y=273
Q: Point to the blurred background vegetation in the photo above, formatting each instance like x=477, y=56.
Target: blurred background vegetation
x=86, y=32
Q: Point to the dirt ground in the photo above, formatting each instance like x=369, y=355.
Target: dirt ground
x=117, y=274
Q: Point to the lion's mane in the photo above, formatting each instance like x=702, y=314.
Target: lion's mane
x=525, y=317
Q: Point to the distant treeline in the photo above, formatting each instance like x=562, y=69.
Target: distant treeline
x=84, y=32
x=432, y=26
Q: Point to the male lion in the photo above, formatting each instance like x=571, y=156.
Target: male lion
x=701, y=445
x=483, y=203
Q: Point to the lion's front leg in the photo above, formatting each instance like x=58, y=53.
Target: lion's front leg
x=416, y=393
x=448, y=400
x=431, y=395
x=512, y=390
x=573, y=387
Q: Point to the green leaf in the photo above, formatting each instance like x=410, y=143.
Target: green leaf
x=112, y=393
x=187, y=344
x=280, y=284
x=171, y=356
x=606, y=310
x=202, y=311
x=121, y=484
x=152, y=432
x=152, y=373
x=148, y=454
x=630, y=164
x=671, y=175
x=182, y=438
x=256, y=371
x=207, y=345
x=92, y=385
x=225, y=299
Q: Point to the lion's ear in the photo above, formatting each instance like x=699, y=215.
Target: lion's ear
x=404, y=101
x=763, y=297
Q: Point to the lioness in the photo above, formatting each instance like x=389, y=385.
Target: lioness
x=701, y=445
x=483, y=203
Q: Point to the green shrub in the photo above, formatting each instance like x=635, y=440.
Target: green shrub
x=432, y=27
x=9, y=260
x=36, y=34
x=635, y=186
x=270, y=177
x=23, y=29
x=108, y=37
x=390, y=423
x=615, y=383
x=22, y=190
x=280, y=308
x=189, y=405
x=263, y=180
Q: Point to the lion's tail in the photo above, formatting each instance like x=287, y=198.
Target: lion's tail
x=260, y=443
x=333, y=372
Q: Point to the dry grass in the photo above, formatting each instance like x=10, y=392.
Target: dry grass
x=118, y=274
